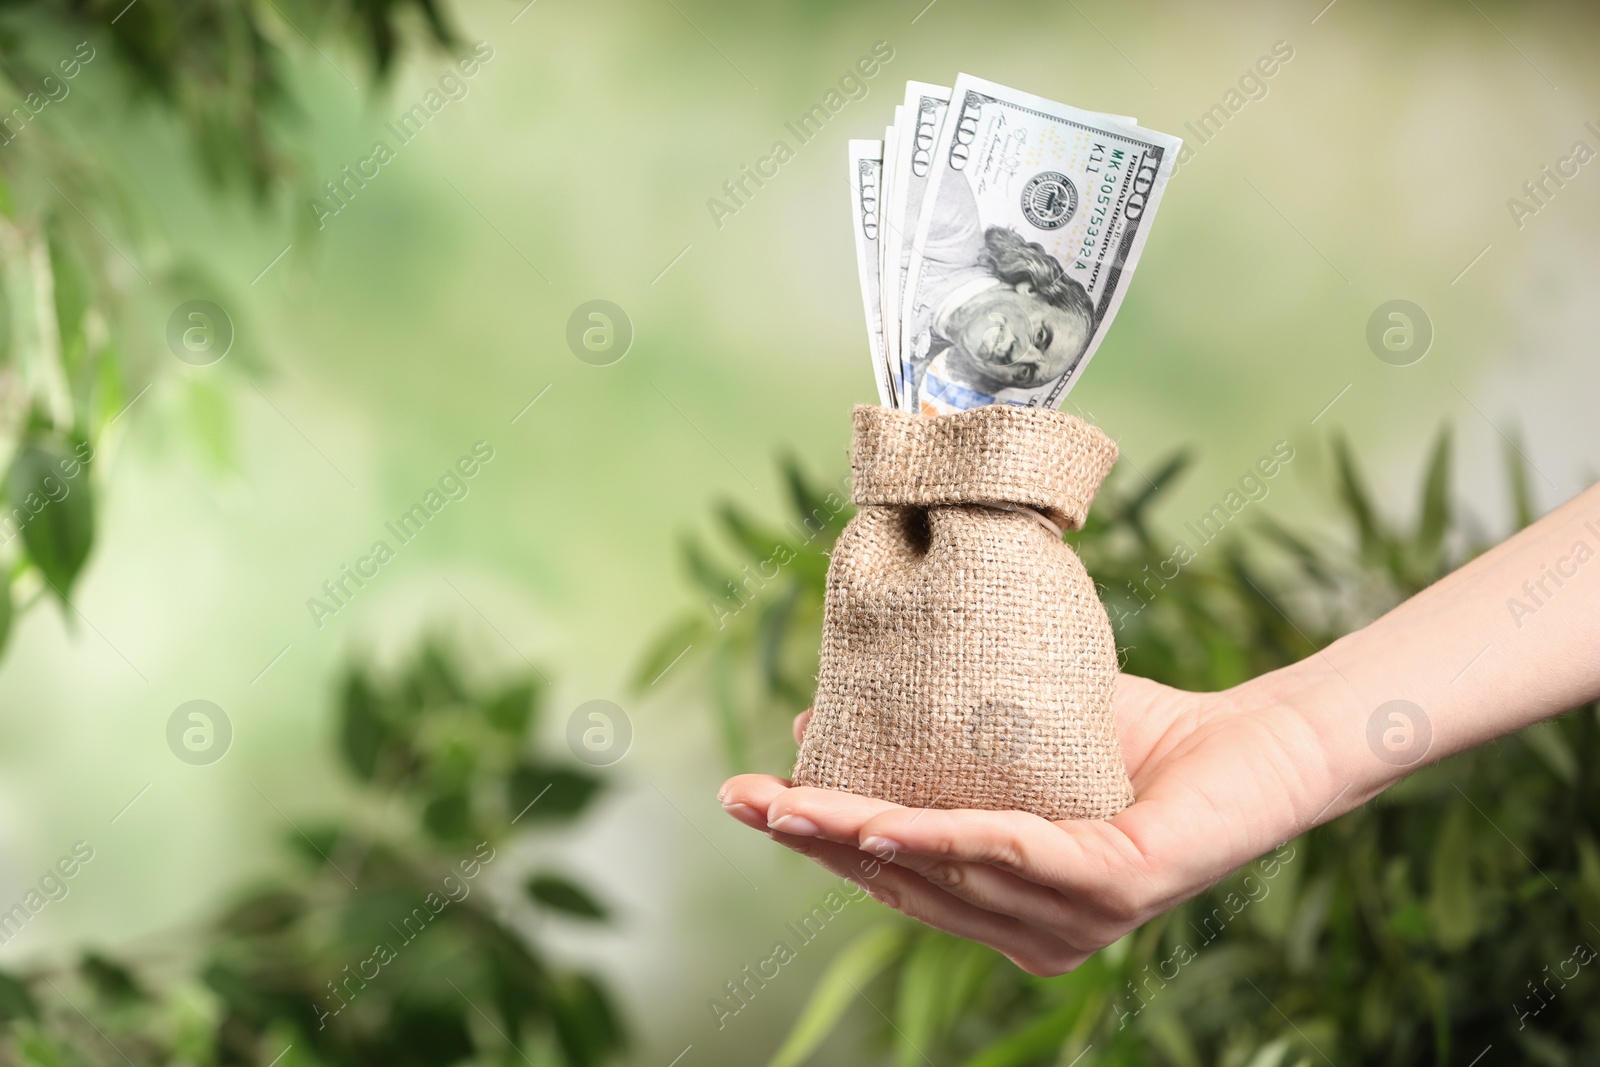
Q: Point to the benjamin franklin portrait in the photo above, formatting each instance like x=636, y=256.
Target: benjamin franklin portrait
x=992, y=312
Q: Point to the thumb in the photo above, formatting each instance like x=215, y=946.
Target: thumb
x=801, y=721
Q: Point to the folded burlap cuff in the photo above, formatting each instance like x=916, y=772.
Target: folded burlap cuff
x=1032, y=457
x=967, y=661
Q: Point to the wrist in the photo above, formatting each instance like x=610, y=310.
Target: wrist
x=1344, y=751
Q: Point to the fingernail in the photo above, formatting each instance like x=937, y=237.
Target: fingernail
x=882, y=847
x=722, y=796
x=798, y=825
x=747, y=815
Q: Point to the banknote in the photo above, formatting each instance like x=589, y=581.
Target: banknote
x=905, y=183
x=922, y=115
x=1032, y=222
x=866, y=166
x=891, y=147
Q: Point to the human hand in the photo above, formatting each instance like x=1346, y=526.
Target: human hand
x=1220, y=778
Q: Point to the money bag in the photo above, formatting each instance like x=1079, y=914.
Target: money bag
x=967, y=661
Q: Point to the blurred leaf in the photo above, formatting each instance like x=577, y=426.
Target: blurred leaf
x=669, y=649
x=712, y=579
x=587, y=1025
x=110, y=979
x=1133, y=510
x=559, y=894
x=268, y=911
x=381, y=20
x=58, y=527
x=1522, y=512
x=1551, y=745
x=364, y=731
x=727, y=704
x=39, y=1051
x=7, y=611
x=1039, y=1037
x=430, y=1033
x=15, y=1000
x=924, y=982
x=1272, y=1054
x=448, y=817
x=433, y=679
x=316, y=843
x=1589, y=879
x=1308, y=558
x=1410, y=922
x=106, y=390
x=72, y=296
x=1435, y=517
x=967, y=970
x=1539, y=1048
x=1271, y=625
x=762, y=546
x=210, y=418
x=1356, y=499
x=512, y=710
x=773, y=630
x=521, y=984
x=840, y=986
x=1453, y=897
x=808, y=501
x=543, y=792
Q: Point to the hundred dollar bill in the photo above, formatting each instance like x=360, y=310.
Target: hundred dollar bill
x=918, y=122
x=906, y=175
x=866, y=166
x=1031, y=226
x=888, y=295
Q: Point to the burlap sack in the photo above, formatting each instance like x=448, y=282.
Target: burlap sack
x=967, y=661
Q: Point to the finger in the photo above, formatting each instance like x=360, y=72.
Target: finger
x=806, y=811
x=747, y=796
x=999, y=891
x=754, y=818
x=1088, y=858
x=908, y=893
x=758, y=790
x=801, y=721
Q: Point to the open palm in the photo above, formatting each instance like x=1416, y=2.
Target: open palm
x=1219, y=778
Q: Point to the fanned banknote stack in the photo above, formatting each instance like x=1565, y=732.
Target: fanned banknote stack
x=995, y=236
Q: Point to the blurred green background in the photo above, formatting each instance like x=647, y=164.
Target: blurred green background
x=432, y=309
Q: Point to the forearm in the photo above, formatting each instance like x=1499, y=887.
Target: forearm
x=1509, y=639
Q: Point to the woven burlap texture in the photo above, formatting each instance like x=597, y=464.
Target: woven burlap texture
x=967, y=661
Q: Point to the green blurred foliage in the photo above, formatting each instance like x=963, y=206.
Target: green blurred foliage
x=75, y=243
x=762, y=614
x=1460, y=910
x=384, y=945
